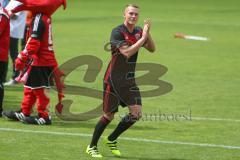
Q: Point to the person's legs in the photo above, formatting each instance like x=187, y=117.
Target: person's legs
x=1, y=87
x=43, y=101
x=13, y=49
x=1, y=97
x=43, y=97
x=38, y=79
x=135, y=112
x=124, y=124
x=110, y=107
x=14, y=53
x=28, y=102
x=100, y=127
x=3, y=70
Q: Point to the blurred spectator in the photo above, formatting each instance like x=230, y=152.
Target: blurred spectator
x=17, y=27
x=4, y=47
x=4, y=3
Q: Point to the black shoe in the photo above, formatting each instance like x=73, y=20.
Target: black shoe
x=37, y=120
x=13, y=115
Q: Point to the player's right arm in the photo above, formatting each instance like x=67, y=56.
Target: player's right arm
x=128, y=51
x=118, y=41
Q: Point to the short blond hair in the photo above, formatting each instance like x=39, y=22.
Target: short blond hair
x=131, y=5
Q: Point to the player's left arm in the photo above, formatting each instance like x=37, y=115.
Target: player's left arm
x=149, y=44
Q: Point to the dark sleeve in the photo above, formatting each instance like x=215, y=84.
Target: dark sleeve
x=37, y=27
x=117, y=39
x=139, y=29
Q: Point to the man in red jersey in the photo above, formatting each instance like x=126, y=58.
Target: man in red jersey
x=4, y=47
x=37, y=61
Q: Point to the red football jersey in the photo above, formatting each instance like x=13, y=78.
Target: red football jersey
x=39, y=44
x=4, y=34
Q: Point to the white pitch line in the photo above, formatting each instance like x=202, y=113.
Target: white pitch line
x=158, y=117
x=204, y=119
x=125, y=138
x=215, y=119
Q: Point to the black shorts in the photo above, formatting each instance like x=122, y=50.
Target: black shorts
x=124, y=96
x=40, y=77
x=3, y=71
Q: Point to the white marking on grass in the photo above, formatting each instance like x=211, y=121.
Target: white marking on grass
x=156, y=119
x=195, y=118
x=125, y=138
x=215, y=119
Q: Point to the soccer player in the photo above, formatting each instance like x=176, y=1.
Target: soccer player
x=38, y=61
x=4, y=47
x=119, y=82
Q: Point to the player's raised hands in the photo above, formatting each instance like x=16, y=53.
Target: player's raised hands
x=145, y=31
x=148, y=23
x=146, y=28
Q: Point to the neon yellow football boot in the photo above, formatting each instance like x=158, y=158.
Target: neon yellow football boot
x=93, y=152
x=113, y=147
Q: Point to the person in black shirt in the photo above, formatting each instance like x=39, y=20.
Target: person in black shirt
x=119, y=82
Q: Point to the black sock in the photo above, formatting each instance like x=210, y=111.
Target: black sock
x=99, y=128
x=1, y=96
x=125, y=123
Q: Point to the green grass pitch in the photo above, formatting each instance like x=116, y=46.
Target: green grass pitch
x=204, y=74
